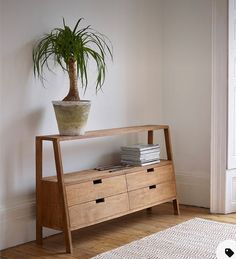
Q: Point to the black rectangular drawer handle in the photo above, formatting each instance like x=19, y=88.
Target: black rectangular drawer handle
x=97, y=181
x=100, y=200
x=149, y=170
x=152, y=187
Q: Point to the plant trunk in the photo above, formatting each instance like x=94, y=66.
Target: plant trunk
x=73, y=94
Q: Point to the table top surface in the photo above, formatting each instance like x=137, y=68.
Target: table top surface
x=105, y=132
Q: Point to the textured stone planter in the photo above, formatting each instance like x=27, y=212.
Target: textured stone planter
x=71, y=116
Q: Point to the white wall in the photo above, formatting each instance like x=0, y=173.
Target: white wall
x=187, y=94
x=132, y=93
x=161, y=74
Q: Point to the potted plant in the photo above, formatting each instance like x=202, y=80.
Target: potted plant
x=71, y=49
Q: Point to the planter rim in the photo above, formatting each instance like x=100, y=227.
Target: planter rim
x=69, y=103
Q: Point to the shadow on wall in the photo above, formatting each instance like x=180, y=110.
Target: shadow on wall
x=19, y=126
x=19, y=147
x=23, y=119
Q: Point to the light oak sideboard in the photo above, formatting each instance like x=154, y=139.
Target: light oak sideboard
x=70, y=201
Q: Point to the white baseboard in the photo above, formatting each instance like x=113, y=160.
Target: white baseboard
x=17, y=225
x=193, y=189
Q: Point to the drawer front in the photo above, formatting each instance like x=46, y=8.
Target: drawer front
x=152, y=194
x=91, y=212
x=149, y=176
x=92, y=190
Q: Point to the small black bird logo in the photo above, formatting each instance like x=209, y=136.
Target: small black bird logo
x=229, y=252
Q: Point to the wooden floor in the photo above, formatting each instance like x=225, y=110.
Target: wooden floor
x=94, y=240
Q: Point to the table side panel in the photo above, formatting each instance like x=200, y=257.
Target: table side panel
x=51, y=206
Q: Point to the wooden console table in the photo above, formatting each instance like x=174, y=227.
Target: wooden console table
x=75, y=200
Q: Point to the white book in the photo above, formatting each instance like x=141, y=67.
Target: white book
x=141, y=147
x=140, y=158
x=137, y=152
x=140, y=163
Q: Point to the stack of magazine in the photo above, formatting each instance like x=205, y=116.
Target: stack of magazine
x=140, y=154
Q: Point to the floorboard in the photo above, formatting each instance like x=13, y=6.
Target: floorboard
x=94, y=240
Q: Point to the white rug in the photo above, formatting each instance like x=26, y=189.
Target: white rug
x=196, y=238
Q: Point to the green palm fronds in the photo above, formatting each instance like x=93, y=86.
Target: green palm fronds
x=73, y=46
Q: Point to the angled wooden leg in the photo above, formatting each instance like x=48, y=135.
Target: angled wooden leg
x=39, y=173
x=150, y=141
x=150, y=137
x=170, y=157
x=176, y=207
x=62, y=191
x=168, y=144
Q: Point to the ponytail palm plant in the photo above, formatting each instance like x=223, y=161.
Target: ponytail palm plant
x=71, y=49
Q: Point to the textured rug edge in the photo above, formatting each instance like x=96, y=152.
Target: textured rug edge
x=172, y=227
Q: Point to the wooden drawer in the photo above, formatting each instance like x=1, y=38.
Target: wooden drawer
x=92, y=190
x=91, y=212
x=149, y=177
x=152, y=194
